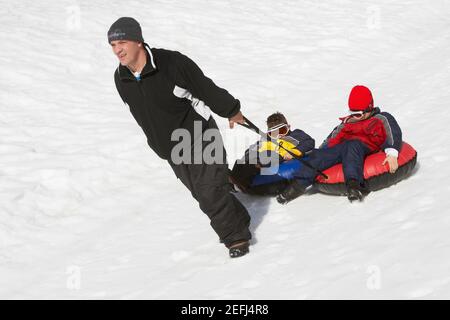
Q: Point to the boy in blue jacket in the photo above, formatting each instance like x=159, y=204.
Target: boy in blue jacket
x=264, y=157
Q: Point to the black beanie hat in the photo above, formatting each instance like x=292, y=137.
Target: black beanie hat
x=125, y=28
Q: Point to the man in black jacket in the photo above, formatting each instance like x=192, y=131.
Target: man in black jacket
x=169, y=95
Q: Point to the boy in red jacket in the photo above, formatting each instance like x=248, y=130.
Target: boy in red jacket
x=364, y=131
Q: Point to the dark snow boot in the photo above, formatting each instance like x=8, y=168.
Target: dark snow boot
x=355, y=191
x=292, y=191
x=239, y=248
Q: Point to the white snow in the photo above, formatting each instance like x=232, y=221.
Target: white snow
x=88, y=211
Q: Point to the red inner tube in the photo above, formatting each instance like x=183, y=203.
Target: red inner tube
x=372, y=166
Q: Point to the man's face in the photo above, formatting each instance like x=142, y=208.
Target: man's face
x=127, y=51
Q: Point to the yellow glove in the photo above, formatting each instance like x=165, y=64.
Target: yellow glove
x=270, y=146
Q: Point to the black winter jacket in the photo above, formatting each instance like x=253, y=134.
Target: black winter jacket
x=172, y=93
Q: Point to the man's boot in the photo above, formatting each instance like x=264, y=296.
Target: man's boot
x=239, y=248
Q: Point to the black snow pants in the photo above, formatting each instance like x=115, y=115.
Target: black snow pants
x=209, y=185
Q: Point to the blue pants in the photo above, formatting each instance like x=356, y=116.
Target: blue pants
x=350, y=153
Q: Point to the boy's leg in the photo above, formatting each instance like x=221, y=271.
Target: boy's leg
x=353, y=167
x=320, y=159
x=353, y=160
x=242, y=175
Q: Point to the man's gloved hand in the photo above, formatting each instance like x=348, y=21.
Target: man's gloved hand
x=237, y=118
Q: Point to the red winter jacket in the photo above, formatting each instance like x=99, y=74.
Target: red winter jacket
x=370, y=131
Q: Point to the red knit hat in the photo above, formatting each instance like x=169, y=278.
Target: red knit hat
x=360, y=99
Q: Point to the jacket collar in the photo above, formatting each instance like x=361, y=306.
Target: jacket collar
x=150, y=66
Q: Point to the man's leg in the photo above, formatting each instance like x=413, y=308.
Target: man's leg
x=209, y=185
x=229, y=218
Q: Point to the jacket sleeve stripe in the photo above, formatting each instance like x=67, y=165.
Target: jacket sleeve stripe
x=387, y=127
x=199, y=106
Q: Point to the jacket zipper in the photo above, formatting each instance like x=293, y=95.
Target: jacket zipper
x=139, y=83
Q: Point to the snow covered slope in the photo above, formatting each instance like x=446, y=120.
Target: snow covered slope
x=88, y=211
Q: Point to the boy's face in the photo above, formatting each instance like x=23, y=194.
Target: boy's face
x=360, y=116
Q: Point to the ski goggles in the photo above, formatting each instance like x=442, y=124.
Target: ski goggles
x=278, y=130
x=359, y=113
